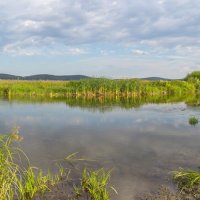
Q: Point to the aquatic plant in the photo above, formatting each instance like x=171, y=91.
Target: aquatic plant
x=94, y=184
x=186, y=178
x=193, y=121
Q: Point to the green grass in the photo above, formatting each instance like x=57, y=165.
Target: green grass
x=19, y=180
x=193, y=121
x=97, y=87
x=186, y=178
x=94, y=185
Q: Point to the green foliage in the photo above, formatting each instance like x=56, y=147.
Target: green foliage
x=193, y=75
x=194, y=78
x=193, y=121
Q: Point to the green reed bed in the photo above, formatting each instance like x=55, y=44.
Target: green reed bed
x=97, y=87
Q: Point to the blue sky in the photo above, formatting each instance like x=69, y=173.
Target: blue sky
x=110, y=38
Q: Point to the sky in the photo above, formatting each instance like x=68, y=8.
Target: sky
x=100, y=38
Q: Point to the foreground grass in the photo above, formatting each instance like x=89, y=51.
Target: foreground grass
x=20, y=181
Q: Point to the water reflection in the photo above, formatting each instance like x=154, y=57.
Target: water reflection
x=141, y=141
x=104, y=104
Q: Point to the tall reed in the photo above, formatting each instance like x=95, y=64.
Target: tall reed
x=97, y=87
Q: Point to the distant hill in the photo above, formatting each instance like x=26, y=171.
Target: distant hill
x=10, y=77
x=61, y=78
x=54, y=78
x=43, y=77
x=156, y=79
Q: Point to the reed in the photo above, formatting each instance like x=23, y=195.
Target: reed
x=97, y=87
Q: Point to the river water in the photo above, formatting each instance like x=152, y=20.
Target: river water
x=140, y=144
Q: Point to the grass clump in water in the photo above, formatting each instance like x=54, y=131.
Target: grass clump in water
x=186, y=179
x=188, y=183
x=193, y=121
x=94, y=185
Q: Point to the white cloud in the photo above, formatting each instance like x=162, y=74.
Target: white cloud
x=138, y=52
x=162, y=29
x=78, y=22
x=17, y=50
x=76, y=51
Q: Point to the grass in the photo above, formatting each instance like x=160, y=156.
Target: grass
x=186, y=179
x=94, y=184
x=97, y=87
x=193, y=121
x=19, y=180
x=16, y=180
x=188, y=185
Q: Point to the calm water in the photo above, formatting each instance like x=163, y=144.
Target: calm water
x=141, y=144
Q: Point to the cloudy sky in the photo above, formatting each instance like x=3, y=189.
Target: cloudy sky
x=110, y=38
